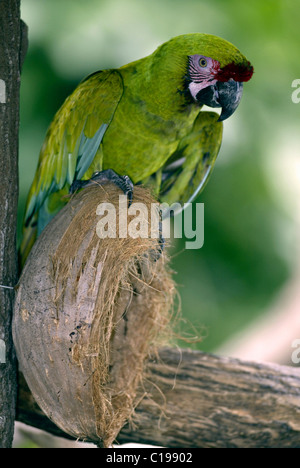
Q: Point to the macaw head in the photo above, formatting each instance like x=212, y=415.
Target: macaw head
x=216, y=86
x=212, y=70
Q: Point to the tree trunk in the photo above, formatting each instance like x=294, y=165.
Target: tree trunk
x=198, y=400
x=11, y=56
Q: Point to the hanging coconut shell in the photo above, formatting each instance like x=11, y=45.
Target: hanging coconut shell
x=88, y=312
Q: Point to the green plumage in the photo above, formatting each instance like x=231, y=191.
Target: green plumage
x=135, y=120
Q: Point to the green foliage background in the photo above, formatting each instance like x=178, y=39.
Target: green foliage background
x=250, y=235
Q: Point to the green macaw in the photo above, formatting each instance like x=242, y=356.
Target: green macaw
x=141, y=123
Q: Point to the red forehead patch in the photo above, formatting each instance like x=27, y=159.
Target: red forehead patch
x=236, y=72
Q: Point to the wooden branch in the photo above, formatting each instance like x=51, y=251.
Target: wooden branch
x=200, y=400
x=10, y=52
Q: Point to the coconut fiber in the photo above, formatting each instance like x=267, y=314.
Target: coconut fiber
x=89, y=312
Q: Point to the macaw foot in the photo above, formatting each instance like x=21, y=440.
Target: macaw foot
x=126, y=185
x=123, y=182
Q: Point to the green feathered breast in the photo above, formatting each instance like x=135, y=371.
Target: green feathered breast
x=135, y=120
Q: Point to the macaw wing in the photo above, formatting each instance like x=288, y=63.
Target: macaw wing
x=186, y=172
x=74, y=137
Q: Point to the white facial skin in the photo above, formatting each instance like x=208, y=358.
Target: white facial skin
x=202, y=71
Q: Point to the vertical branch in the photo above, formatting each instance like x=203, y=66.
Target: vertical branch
x=10, y=59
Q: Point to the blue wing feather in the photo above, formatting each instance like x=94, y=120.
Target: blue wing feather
x=87, y=150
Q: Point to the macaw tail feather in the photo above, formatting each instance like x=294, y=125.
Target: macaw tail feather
x=28, y=239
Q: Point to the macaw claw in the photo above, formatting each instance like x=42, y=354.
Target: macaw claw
x=155, y=254
x=100, y=177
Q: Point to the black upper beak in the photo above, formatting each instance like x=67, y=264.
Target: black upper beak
x=226, y=95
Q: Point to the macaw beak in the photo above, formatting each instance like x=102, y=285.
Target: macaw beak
x=223, y=94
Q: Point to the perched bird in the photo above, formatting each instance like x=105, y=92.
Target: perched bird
x=141, y=123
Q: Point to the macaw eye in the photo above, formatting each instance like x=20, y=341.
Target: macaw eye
x=203, y=62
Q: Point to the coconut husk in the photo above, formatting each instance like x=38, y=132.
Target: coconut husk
x=88, y=312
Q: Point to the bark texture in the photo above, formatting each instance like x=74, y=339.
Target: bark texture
x=201, y=400
x=11, y=56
